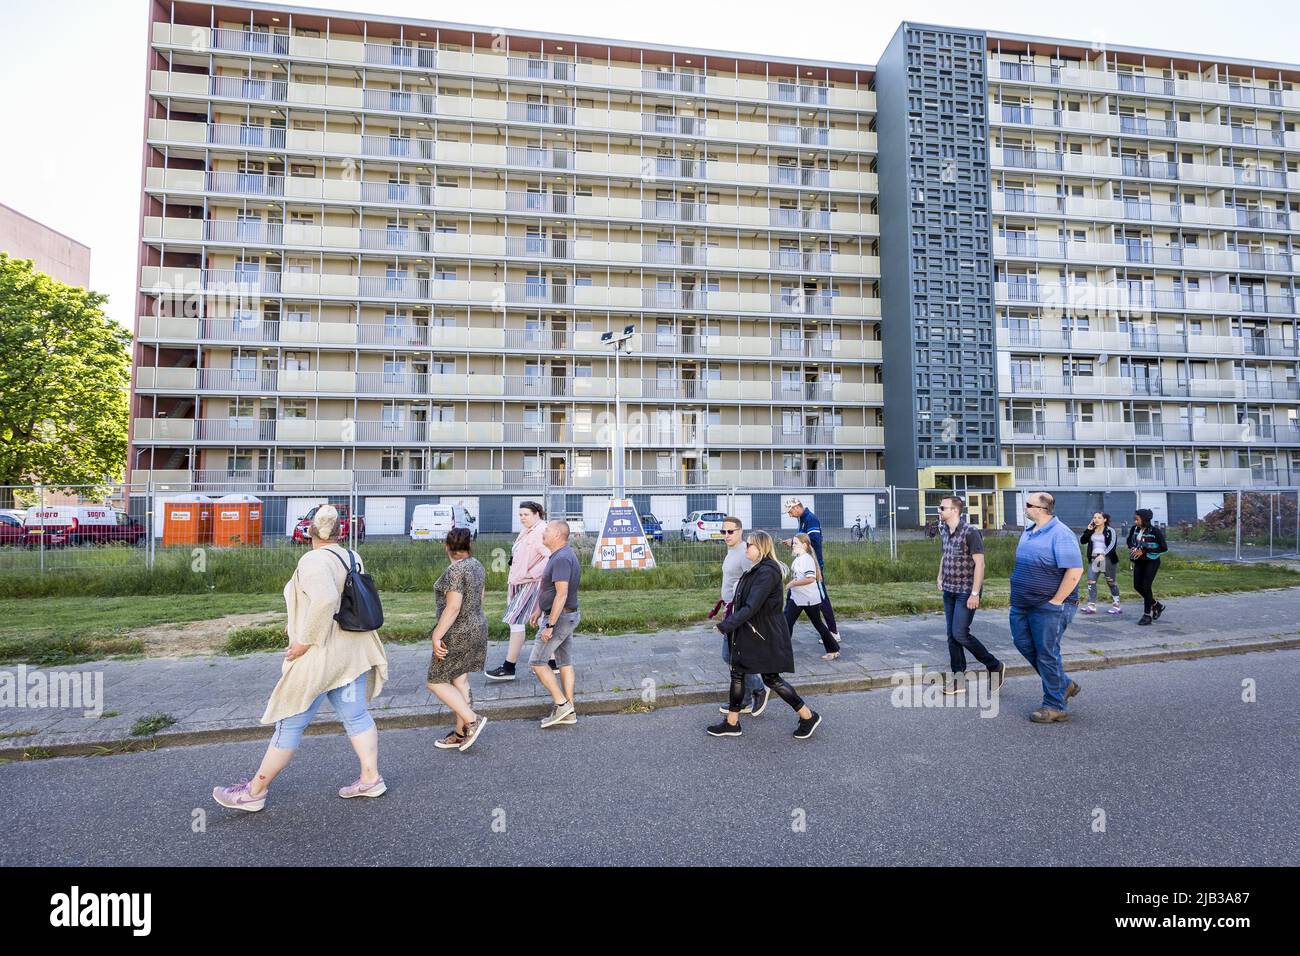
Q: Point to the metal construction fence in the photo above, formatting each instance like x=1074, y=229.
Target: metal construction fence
x=146, y=526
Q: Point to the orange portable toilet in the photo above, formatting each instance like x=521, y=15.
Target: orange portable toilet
x=237, y=522
x=187, y=520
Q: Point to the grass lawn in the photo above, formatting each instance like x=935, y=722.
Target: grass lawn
x=56, y=630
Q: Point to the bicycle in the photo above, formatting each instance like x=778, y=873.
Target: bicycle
x=862, y=530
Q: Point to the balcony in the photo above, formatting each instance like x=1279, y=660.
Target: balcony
x=800, y=218
x=540, y=157
x=244, y=88
x=784, y=92
x=246, y=136
x=673, y=81
x=669, y=210
x=544, y=113
x=539, y=293
x=801, y=302
x=538, y=68
x=674, y=298
x=399, y=147
x=671, y=125
x=798, y=135
x=799, y=176
x=539, y=202
x=401, y=55
x=799, y=260
x=250, y=41
x=669, y=254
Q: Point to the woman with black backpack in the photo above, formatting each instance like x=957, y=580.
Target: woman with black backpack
x=324, y=660
x=760, y=638
x=1146, y=543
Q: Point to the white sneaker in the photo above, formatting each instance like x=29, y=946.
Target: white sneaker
x=557, y=714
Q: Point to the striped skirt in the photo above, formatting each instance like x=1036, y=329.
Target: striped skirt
x=522, y=603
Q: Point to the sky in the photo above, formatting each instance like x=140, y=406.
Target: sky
x=73, y=72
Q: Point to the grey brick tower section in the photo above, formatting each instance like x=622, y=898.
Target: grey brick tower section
x=940, y=364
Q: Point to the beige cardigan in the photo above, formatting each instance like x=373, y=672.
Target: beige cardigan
x=337, y=657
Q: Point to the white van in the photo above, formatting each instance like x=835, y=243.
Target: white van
x=432, y=522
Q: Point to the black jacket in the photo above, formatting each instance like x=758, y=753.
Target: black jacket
x=1112, y=539
x=756, y=628
x=1150, y=539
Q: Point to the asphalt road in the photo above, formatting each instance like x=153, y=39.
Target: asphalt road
x=1184, y=771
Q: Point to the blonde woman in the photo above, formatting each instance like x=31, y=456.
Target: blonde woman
x=760, y=638
x=527, y=562
x=806, y=594
x=323, y=661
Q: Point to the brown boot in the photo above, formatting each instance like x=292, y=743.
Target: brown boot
x=1046, y=715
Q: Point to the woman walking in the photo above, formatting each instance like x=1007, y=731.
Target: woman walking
x=1103, y=559
x=323, y=661
x=459, y=638
x=1146, y=543
x=805, y=595
x=760, y=638
x=527, y=562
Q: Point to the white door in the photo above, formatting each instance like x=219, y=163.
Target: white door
x=295, y=509
x=594, y=509
x=737, y=506
x=385, y=516
x=670, y=510
x=1158, y=502
x=855, y=505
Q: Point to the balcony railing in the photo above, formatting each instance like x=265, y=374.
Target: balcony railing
x=673, y=81
x=517, y=112
x=407, y=194
x=800, y=260
x=674, y=298
x=246, y=184
x=784, y=92
x=249, y=231
x=798, y=135
x=401, y=54
x=801, y=302
x=246, y=88
x=672, y=125
x=404, y=147
x=256, y=136
x=250, y=41
x=240, y=281
x=539, y=247
x=540, y=157
x=539, y=202
x=669, y=167
x=667, y=209
x=800, y=218
x=799, y=176
x=400, y=101
x=399, y=239
x=537, y=68
x=393, y=287
x=669, y=254
x=539, y=293
x=802, y=391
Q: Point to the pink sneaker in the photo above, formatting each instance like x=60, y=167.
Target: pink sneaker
x=238, y=797
x=359, y=789
x=1115, y=609
x=1090, y=609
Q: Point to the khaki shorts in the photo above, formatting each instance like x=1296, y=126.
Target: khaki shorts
x=560, y=645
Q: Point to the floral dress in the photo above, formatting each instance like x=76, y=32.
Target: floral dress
x=466, y=639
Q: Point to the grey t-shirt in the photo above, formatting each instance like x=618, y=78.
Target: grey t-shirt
x=560, y=566
x=734, y=565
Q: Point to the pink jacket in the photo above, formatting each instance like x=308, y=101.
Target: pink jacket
x=528, y=555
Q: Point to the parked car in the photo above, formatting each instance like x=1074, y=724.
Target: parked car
x=300, y=535
x=703, y=526
x=432, y=522
x=653, y=527
x=122, y=530
x=12, y=531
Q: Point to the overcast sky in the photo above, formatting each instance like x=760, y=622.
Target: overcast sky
x=73, y=74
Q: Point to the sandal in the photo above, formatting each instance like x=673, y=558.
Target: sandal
x=831, y=656
x=451, y=742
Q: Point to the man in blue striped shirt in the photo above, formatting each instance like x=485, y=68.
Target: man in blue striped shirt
x=1044, y=597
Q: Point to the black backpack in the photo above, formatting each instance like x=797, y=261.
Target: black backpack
x=359, y=607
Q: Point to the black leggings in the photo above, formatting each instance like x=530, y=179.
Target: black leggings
x=1144, y=575
x=776, y=682
x=814, y=612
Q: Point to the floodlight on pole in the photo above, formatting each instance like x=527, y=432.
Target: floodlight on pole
x=618, y=342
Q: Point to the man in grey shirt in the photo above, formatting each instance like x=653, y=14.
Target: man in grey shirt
x=734, y=565
x=557, y=610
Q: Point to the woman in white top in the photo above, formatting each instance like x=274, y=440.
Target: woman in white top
x=805, y=596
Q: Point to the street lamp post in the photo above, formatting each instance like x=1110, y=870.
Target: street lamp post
x=617, y=342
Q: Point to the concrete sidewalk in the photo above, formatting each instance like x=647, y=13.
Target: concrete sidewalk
x=221, y=698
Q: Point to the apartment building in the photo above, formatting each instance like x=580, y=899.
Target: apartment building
x=384, y=254
x=58, y=256
x=380, y=255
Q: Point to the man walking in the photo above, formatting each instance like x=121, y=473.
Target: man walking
x=557, y=612
x=1044, y=597
x=812, y=527
x=961, y=579
x=734, y=565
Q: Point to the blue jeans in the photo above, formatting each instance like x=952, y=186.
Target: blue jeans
x=754, y=682
x=349, y=703
x=958, y=618
x=1037, y=632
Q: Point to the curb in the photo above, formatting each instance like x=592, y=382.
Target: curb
x=620, y=703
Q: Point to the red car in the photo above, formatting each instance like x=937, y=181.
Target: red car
x=12, y=531
x=344, y=529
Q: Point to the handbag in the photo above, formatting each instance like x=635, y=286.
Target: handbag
x=359, y=607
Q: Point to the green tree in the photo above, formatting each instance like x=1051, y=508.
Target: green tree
x=64, y=374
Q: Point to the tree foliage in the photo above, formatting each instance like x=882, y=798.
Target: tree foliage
x=64, y=376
